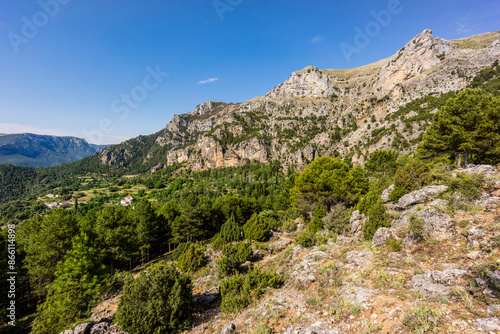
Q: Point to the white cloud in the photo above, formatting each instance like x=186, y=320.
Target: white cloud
x=209, y=80
x=466, y=29
x=317, y=39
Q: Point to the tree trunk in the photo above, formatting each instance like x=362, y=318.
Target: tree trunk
x=466, y=159
x=459, y=160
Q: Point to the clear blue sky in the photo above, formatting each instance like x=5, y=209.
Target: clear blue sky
x=71, y=74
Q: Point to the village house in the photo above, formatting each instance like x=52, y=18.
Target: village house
x=127, y=200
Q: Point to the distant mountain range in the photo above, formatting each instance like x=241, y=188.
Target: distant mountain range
x=31, y=150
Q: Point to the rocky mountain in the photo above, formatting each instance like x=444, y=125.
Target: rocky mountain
x=31, y=150
x=349, y=112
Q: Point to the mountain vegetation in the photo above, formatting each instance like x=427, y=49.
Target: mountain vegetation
x=280, y=214
x=31, y=150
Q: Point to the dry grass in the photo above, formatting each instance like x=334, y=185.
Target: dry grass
x=477, y=41
x=357, y=71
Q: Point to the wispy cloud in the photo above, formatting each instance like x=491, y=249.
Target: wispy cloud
x=207, y=81
x=317, y=39
x=463, y=28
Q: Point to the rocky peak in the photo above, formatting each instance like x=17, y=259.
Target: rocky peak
x=203, y=108
x=309, y=82
x=421, y=54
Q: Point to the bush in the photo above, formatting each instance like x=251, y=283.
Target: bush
x=158, y=301
x=377, y=218
x=238, y=291
x=316, y=223
x=469, y=188
x=339, y=219
x=230, y=231
x=193, y=258
x=417, y=227
x=179, y=250
x=421, y=319
x=256, y=229
x=233, y=257
x=412, y=176
x=289, y=225
x=305, y=239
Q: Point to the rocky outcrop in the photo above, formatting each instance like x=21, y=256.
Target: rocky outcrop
x=435, y=283
x=437, y=225
x=420, y=196
x=102, y=327
x=382, y=236
x=357, y=221
x=386, y=194
x=489, y=325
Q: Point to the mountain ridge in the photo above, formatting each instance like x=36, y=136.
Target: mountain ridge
x=33, y=150
x=313, y=112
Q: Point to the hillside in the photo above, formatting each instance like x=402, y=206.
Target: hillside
x=361, y=200
x=31, y=150
x=350, y=112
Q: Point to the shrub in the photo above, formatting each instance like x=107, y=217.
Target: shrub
x=377, y=217
x=412, y=176
x=395, y=245
x=230, y=231
x=238, y=291
x=158, y=301
x=339, y=219
x=469, y=189
x=316, y=223
x=233, y=257
x=179, y=250
x=289, y=225
x=193, y=258
x=417, y=227
x=256, y=229
x=305, y=239
x=421, y=319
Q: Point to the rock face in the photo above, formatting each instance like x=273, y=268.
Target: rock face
x=437, y=225
x=382, y=236
x=357, y=220
x=434, y=283
x=386, y=194
x=296, y=121
x=421, y=195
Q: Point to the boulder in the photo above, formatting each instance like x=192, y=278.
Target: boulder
x=435, y=283
x=358, y=260
x=497, y=185
x=488, y=325
x=493, y=310
x=357, y=220
x=83, y=328
x=356, y=295
x=437, y=224
x=386, y=194
x=485, y=170
x=100, y=328
x=341, y=240
x=228, y=329
x=382, y=236
x=420, y=196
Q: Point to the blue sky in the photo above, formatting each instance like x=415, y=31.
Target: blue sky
x=98, y=69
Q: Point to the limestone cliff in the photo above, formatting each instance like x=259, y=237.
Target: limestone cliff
x=350, y=112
